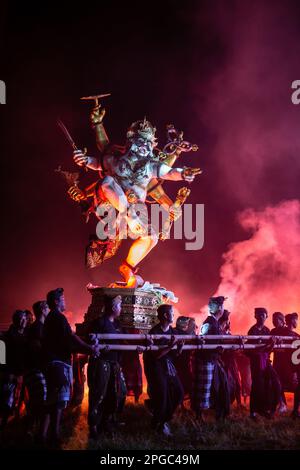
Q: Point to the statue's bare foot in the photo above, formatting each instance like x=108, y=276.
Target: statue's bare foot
x=130, y=277
x=139, y=280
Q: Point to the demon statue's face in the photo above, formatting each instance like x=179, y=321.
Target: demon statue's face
x=141, y=147
x=141, y=138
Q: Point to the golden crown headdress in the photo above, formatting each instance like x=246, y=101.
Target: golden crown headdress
x=142, y=128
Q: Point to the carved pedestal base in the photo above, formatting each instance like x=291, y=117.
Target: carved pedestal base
x=139, y=308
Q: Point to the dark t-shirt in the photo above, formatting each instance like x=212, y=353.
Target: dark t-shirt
x=259, y=360
x=15, y=350
x=57, y=338
x=289, y=332
x=149, y=357
x=157, y=330
x=34, y=355
x=255, y=331
x=210, y=326
x=279, y=331
x=104, y=325
x=282, y=358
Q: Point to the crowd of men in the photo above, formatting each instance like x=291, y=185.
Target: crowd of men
x=39, y=369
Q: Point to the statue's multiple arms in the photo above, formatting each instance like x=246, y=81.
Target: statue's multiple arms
x=165, y=172
x=81, y=159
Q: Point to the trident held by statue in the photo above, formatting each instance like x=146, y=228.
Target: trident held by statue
x=95, y=97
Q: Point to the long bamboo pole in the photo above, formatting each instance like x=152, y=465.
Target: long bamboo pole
x=129, y=336
x=232, y=347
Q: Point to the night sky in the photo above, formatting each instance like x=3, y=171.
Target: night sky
x=221, y=71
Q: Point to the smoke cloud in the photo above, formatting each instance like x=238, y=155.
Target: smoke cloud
x=263, y=270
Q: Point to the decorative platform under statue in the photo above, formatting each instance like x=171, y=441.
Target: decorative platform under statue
x=139, y=306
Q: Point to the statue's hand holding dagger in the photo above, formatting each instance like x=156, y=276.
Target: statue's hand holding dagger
x=80, y=157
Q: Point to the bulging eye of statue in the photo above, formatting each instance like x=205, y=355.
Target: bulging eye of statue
x=142, y=143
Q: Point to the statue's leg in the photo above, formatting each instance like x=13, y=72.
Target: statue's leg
x=112, y=191
x=138, y=251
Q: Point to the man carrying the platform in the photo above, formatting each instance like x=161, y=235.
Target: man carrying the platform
x=34, y=377
x=183, y=360
x=164, y=387
x=279, y=357
x=291, y=320
x=58, y=344
x=210, y=387
x=266, y=388
x=12, y=379
x=107, y=389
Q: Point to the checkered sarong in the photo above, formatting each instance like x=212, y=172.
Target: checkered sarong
x=8, y=393
x=35, y=383
x=10, y=390
x=203, y=372
x=59, y=381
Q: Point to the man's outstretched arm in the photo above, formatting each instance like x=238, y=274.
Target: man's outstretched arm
x=82, y=347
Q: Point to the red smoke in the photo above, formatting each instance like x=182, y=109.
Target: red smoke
x=264, y=270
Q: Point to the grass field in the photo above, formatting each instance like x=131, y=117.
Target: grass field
x=237, y=432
